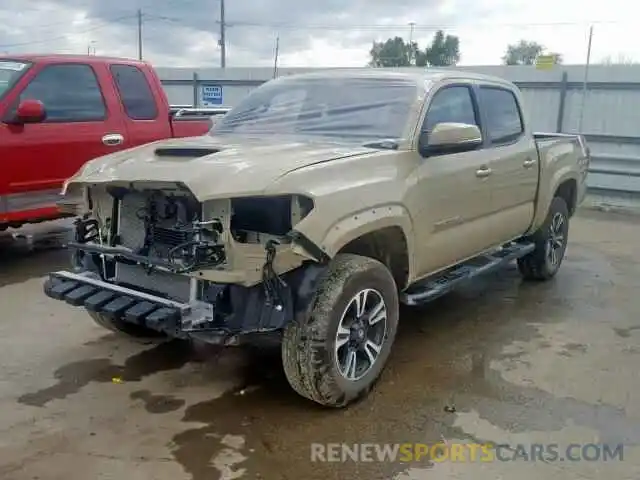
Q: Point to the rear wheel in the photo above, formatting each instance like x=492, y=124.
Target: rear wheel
x=551, y=244
x=124, y=328
x=336, y=353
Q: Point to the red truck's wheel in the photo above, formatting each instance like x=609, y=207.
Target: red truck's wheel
x=336, y=353
x=551, y=244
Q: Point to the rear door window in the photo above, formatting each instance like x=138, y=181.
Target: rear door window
x=504, y=119
x=135, y=92
x=70, y=93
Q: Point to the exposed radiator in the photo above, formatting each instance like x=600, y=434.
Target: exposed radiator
x=169, y=237
x=132, y=235
x=131, y=228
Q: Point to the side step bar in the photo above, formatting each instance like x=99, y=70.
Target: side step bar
x=433, y=287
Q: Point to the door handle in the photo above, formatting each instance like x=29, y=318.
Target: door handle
x=112, y=139
x=483, y=172
x=528, y=163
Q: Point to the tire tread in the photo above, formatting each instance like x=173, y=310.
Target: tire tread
x=534, y=266
x=306, y=371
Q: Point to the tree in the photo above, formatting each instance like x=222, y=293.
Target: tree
x=444, y=50
x=393, y=52
x=558, y=57
x=522, y=53
x=526, y=53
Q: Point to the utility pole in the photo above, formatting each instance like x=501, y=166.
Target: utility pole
x=275, y=60
x=411, y=52
x=139, y=34
x=223, y=40
x=585, y=80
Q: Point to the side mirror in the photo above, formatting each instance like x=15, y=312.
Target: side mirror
x=30, y=111
x=450, y=137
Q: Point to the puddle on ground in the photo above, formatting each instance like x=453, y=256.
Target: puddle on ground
x=157, y=403
x=626, y=332
x=171, y=355
x=440, y=365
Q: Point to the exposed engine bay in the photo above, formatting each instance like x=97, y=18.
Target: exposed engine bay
x=161, y=240
x=151, y=254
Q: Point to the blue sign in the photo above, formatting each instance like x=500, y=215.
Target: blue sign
x=211, y=95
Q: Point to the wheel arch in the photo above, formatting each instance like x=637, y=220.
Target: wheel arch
x=564, y=184
x=383, y=233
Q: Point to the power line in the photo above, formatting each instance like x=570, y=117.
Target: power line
x=106, y=22
x=62, y=37
x=43, y=27
x=139, y=15
x=278, y=26
x=414, y=26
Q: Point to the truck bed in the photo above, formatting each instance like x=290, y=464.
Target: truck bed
x=563, y=151
x=546, y=140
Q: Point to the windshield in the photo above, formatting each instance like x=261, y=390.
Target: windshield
x=10, y=72
x=355, y=108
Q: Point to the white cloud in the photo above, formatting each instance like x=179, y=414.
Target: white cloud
x=179, y=36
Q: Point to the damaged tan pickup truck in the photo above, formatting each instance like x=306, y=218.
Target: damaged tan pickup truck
x=313, y=209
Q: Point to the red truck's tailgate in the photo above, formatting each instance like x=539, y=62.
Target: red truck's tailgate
x=190, y=127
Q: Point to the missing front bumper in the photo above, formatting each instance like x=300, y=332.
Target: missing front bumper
x=235, y=310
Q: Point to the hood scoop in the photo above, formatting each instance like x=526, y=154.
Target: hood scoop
x=185, y=152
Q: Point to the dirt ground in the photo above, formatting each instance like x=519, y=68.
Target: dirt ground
x=499, y=361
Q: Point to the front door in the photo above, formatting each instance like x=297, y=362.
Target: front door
x=452, y=194
x=78, y=127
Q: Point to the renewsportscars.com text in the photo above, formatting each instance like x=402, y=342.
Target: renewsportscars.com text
x=466, y=452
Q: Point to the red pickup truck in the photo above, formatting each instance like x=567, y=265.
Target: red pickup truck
x=59, y=111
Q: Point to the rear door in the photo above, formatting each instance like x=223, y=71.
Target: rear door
x=514, y=161
x=140, y=108
x=79, y=126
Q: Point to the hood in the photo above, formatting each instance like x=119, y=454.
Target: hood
x=212, y=167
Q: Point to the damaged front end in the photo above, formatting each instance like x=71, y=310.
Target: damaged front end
x=152, y=254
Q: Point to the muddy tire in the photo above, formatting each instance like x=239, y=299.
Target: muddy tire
x=551, y=244
x=335, y=352
x=124, y=328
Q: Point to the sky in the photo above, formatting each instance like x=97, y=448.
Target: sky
x=323, y=33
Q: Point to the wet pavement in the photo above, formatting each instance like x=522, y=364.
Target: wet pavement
x=499, y=361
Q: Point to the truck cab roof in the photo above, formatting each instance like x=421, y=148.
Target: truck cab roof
x=61, y=57
x=408, y=74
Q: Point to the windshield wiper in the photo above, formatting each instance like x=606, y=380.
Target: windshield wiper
x=386, y=144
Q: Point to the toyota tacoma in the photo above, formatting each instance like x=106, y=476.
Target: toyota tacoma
x=313, y=209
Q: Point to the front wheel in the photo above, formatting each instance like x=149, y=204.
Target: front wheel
x=550, y=242
x=336, y=353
